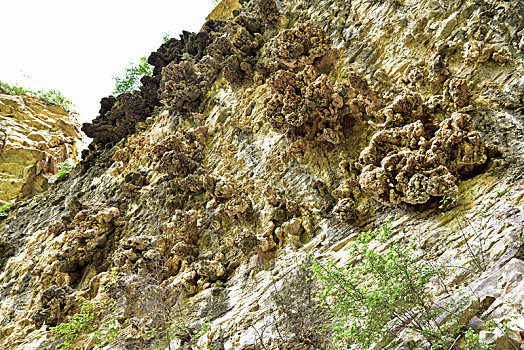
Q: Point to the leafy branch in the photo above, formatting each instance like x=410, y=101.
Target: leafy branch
x=131, y=80
x=4, y=209
x=64, y=168
x=378, y=293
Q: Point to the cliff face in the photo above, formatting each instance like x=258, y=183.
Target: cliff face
x=35, y=136
x=290, y=128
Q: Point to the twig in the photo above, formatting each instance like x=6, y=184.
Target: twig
x=469, y=248
x=260, y=337
x=455, y=342
x=3, y=139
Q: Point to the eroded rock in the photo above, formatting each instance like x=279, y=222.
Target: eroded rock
x=301, y=46
x=403, y=165
x=215, y=207
x=35, y=136
x=306, y=105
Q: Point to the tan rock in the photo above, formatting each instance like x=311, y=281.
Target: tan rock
x=224, y=10
x=38, y=136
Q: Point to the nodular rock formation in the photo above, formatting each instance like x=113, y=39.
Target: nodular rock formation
x=285, y=130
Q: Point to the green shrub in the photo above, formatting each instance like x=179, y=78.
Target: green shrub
x=51, y=96
x=80, y=323
x=131, y=80
x=473, y=342
x=4, y=209
x=108, y=331
x=89, y=321
x=64, y=168
x=378, y=294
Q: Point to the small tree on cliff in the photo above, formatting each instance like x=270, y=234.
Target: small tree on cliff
x=131, y=80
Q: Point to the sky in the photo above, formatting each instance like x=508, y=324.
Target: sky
x=76, y=47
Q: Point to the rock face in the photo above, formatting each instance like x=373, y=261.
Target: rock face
x=35, y=136
x=287, y=129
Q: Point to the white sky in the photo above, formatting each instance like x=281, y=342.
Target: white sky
x=77, y=46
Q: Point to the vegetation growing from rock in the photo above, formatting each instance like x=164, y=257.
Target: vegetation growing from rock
x=4, y=209
x=63, y=169
x=131, y=79
x=382, y=291
x=35, y=136
x=50, y=96
x=284, y=127
x=86, y=321
x=473, y=342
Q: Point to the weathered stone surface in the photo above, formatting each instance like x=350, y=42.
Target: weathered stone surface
x=184, y=69
x=290, y=128
x=404, y=165
x=224, y=10
x=35, y=137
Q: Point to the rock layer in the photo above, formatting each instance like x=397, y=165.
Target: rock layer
x=290, y=128
x=35, y=137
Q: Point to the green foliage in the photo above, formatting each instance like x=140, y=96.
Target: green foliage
x=80, y=323
x=88, y=321
x=56, y=97
x=111, y=280
x=205, y=327
x=378, y=293
x=108, y=331
x=51, y=96
x=172, y=329
x=64, y=168
x=472, y=342
x=131, y=80
x=4, y=209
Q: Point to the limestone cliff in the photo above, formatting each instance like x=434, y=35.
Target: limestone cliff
x=288, y=129
x=35, y=136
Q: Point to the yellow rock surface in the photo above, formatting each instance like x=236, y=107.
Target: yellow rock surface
x=224, y=10
x=34, y=138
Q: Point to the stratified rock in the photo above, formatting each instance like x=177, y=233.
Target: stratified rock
x=284, y=129
x=35, y=136
x=6, y=251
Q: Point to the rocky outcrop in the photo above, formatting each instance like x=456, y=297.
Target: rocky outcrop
x=402, y=165
x=183, y=71
x=35, y=136
x=288, y=129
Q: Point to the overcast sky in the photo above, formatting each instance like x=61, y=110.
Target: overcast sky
x=77, y=46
